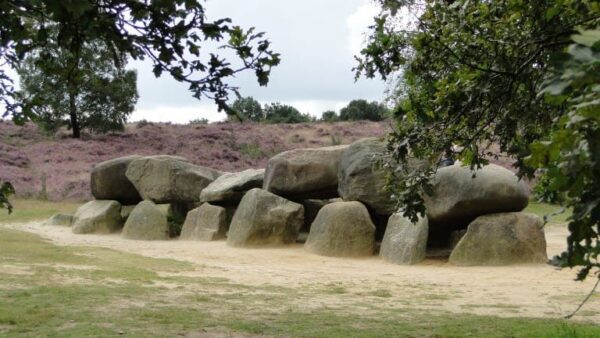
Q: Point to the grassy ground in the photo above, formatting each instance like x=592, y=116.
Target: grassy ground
x=553, y=213
x=30, y=209
x=48, y=290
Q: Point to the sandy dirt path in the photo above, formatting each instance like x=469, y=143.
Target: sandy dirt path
x=515, y=291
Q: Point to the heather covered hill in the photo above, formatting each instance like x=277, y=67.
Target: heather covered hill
x=58, y=167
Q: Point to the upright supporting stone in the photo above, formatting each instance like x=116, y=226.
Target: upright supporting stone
x=404, y=243
x=342, y=229
x=265, y=219
x=146, y=222
x=60, y=220
x=100, y=217
x=205, y=223
x=502, y=239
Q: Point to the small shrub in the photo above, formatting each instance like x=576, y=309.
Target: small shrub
x=174, y=228
x=43, y=195
x=296, y=138
x=362, y=110
x=252, y=150
x=281, y=113
x=383, y=293
x=143, y=123
x=246, y=109
x=176, y=220
x=330, y=116
x=336, y=140
x=199, y=121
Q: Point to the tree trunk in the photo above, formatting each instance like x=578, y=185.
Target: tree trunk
x=73, y=114
x=73, y=86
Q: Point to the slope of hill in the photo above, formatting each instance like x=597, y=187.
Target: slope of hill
x=57, y=167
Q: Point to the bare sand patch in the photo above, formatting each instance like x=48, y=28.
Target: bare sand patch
x=434, y=285
x=11, y=269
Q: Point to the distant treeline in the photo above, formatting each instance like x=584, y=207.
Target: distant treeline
x=249, y=109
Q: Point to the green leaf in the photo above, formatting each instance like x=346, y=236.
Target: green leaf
x=552, y=12
x=556, y=87
x=588, y=38
x=580, y=53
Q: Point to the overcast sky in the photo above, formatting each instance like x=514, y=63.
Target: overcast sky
x=317, y=41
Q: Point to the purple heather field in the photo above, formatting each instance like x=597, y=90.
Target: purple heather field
x=28, y=157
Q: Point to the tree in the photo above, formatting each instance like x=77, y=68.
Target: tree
x=6, y=189
x=473, y=74
x=98, y=95
x=171, y=34
x=569, y=157
x=363, y=110
x=281, y=113
x=329, y=116
x=247, y=108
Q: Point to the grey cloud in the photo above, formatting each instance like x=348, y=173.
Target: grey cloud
x=312, y=38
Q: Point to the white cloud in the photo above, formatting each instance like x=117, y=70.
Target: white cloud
x=207, y=110
x=176, y=114
x=317, y=40
x=358, y=25
x=317, y=107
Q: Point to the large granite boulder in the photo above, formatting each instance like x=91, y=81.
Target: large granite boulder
x=205, y=223
x=502, y=239
x=304, y=173
x=146, y=222
x=361, y=180
x=342, y=229
x=108, y=181
x=167, y=179
x=231, y=187
x=265, y=219
x=60, y=220
x=458, y=197
x=98, y=216
x=404, y=242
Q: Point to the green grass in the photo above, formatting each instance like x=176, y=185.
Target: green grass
x=383, y=293
x=544, y=209
x=30, y=209
x=335, y=289
x=62, y=291
x=252, y=150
